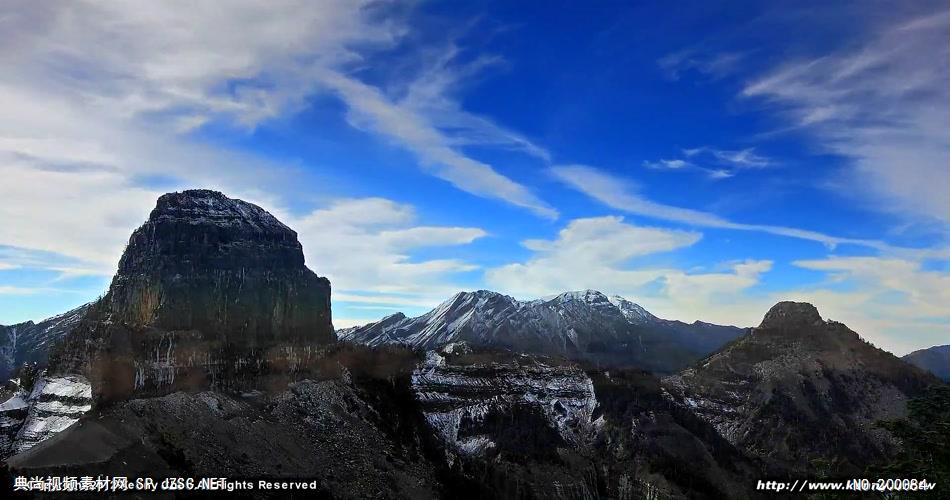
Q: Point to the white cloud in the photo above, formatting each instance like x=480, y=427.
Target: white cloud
x=712, y=65
x=674, y=164
x=621, y=195
x=365, y=247
x=717, y=296
x=598, y=253
x=433, y=127
x=94, y=94
x=97, y=99
x=589, y=253
x=882, y=103
x=725, y=163
x=739, y=159
x=896, y=303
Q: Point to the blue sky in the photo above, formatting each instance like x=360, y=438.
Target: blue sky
x=703, y=159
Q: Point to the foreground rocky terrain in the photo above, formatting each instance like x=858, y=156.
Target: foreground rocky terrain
x=385, y=423
x=213, y=354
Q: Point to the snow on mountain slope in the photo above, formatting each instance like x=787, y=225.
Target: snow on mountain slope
x=29, y=342
x=581, y=325
x=462, y=401
x=53, y=404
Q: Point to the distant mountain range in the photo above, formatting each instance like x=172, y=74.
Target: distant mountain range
x=584, y=325
x=30, y=342
x=935, y=359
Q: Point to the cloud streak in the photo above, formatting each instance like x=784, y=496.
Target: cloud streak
x=413, y=127
x=621, y=195
x=727, y=162
x=601, y=253
x=99, y=102
x=882, y=104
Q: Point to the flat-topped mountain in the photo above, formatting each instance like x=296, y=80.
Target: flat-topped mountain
x=586, y=325
x=206, y=262
x=209, y=289
x=799, y=389
x=935, y=359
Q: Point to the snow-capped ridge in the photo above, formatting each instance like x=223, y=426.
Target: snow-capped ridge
x=577, y=324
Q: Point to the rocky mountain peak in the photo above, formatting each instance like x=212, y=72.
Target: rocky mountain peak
x=199, y=230
x=789, y=315
x=209, y=278
x=582, y=324
x=203, y=205
x=587, y=296
x=208, y=262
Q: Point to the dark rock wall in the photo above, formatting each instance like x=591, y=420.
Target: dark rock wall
x=225, y=267
x=210, y=292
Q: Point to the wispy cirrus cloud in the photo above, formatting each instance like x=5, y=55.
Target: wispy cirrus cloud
x=714, y=65
x=100, y=103
x=365, y=246
x=421, y=123
x=715, y=163
x=882, y=104
x=621, y=194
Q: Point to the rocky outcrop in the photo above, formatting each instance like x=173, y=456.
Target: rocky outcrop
x=464, y=397
x=206, y=262
x=30, y=342
x=586, y=325
x=935, y=359
x=53, y=404
x=210, y=292
x=800, y=391
x=523, y=426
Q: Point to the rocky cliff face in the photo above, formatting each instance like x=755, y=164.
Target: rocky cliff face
x=210, y=291
x=586, y=325
x=464, y=397
x=206, y=262
x=799, y=391
x=523, y=426
x=30, y=342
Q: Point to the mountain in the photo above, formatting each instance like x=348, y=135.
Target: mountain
x=586, y=325
x=935, y=359
x=802, y=393
x=30, y=342
x=213, y=355
x=209, y=291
